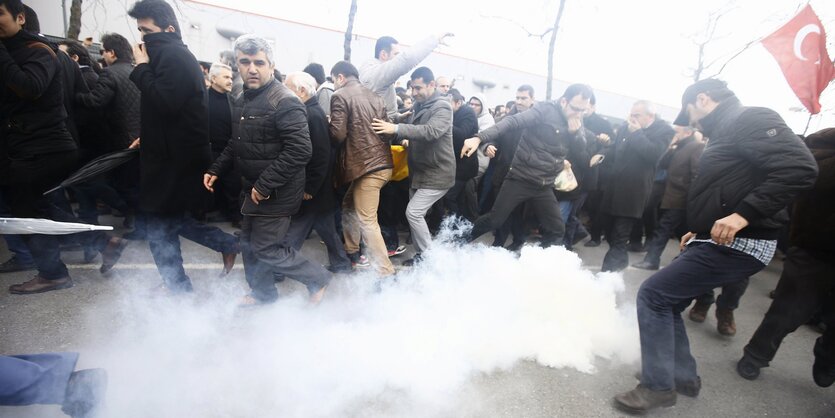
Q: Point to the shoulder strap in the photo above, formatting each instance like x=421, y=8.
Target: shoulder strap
x=36, y=44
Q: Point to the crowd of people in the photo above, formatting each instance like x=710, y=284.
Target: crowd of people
x=281, y=155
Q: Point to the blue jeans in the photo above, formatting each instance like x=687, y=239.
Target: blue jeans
x=665, y=349
x=35, y=378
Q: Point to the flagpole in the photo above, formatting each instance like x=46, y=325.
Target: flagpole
x=807, y=124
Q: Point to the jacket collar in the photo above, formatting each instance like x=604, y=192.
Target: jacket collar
x=714, y=119
x=312, y=101
x=429, y=102
x=250, y=94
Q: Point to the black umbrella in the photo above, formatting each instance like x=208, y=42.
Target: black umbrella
x=97, y=167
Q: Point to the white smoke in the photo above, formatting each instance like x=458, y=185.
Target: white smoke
x=413, y=341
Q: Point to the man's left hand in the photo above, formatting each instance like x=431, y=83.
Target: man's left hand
x=382, y=127
x=307, y=196
x=632, y=125
x=724, y=230
x=257, y=197
x=574, y=125
x=140, y=55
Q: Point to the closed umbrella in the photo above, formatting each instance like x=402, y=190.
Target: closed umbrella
x=9, y=226
x=97, y=167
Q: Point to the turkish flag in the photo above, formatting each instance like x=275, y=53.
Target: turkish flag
x=800, y=49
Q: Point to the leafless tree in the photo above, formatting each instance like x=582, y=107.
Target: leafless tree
x=349, y=32
x=550, y=83
x=75, y=19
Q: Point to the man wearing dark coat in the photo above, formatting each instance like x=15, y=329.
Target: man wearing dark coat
x=752, y=167
x=461, y=198
x=319, y=205
x=174, y=150
x=630, y=162
x=37, y=150
x=270, y=147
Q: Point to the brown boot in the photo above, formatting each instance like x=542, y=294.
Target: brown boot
x=642, y=399
x=228, y=262
x=698, y=313
x=725, y=322
x=111, y=253
x=39, y=285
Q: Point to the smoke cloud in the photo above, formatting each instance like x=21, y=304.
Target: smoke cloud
x=406, y=346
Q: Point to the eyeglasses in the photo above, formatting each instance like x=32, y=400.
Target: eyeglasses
x=576, y=109
x=102, y=51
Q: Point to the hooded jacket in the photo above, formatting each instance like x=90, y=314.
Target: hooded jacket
x=753, y=165
x=429, y=131
x=485, y=120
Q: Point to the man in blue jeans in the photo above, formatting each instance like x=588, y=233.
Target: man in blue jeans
x=735, y=210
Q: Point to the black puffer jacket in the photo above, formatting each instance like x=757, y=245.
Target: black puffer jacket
x=543, y=146
x=119, y=98
x=270, y=147
x=753, y=165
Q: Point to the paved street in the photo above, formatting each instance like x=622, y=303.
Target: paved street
x=89, y=315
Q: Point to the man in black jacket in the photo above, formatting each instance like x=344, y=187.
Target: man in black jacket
x=174, y=150
x=319, y=205
x=228, y=189
x=37, y=151
x=630, y=163
x=270, y=147
x=461, y=198
x=751, y=169
x=549, y=130
x=807, y=283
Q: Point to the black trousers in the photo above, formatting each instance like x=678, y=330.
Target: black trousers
x=164, y=239
x=265, y=252
x=323, y=224
x=461, y=200
x=227, y=194
x=540, y=199
x=617, y=258
x=729, y=299
x=26, y=181
x=670, y=221
x=806, y=285
x=646, y=225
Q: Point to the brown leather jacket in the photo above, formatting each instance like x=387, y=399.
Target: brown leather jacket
x=353, y=107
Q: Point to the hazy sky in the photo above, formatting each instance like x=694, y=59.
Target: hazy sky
x=640, y=48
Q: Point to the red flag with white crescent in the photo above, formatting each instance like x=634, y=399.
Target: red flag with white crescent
x=800, y=49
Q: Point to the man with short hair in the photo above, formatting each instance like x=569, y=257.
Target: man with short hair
x=37, y=151
x=270, y=150
x=427, y=135
x=550, y=129
x=631, y=160
x=364, y=163
x=324, y=88
x=443, y=85
x=734, y=230
x=319, y=205
x=175, y=149
x=390, y=63
x=228, y=189
x=461, y=199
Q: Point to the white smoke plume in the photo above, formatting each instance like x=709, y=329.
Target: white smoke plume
x=415, y=341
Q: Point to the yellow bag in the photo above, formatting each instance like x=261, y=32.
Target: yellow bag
x=401, y=165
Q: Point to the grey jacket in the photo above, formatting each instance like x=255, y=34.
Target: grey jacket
x=379, y=76
x=431, y=156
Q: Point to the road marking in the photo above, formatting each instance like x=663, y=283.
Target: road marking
x=149, y=266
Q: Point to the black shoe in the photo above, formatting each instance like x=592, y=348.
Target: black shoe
x=13, y=264
x=645, y=265
x=515, y=246
x=85, y=392
x=135, y=235
x=823, y=371
x=579, y=237
x=641, y=399
x=747, y=368
x=592, y=243
x=635, y=247
x=417, y=259
x=690, y=389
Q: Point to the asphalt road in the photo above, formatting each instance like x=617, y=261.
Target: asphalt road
x=60, y=321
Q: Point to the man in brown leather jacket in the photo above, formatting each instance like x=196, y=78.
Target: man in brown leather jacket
x=364, y=161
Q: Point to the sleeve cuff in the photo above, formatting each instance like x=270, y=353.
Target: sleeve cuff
x=748, y=212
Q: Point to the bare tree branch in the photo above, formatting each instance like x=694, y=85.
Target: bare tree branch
x=530, y=34
x=350, y=30
x=550, y=83
x=75, y=19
